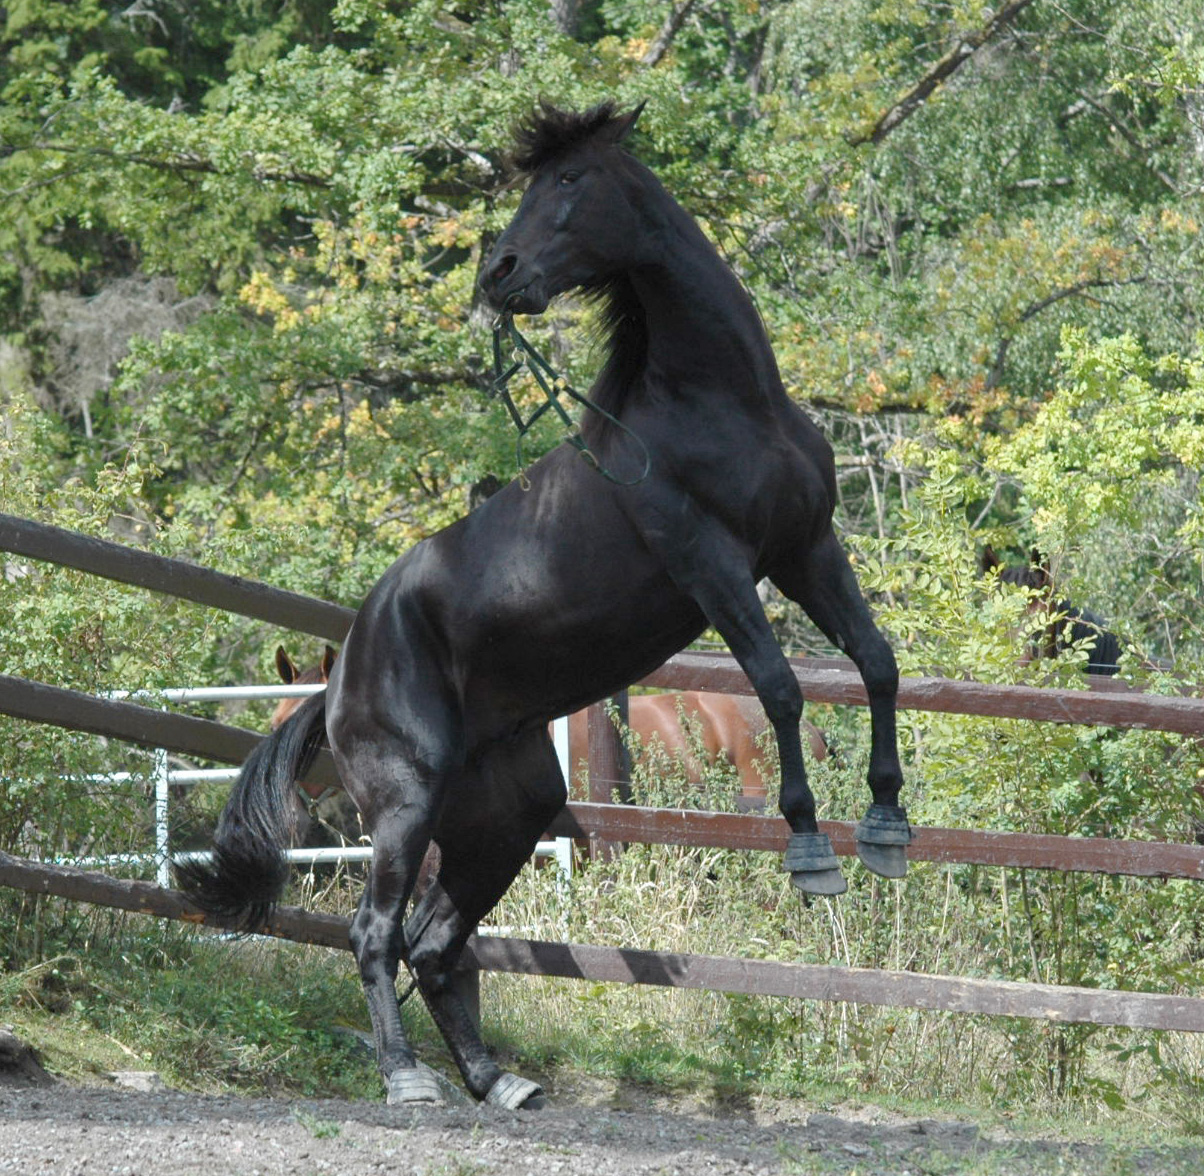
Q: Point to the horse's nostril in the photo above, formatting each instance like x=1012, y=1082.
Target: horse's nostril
x=503, y=269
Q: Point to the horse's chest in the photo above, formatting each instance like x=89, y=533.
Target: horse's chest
x=766, y=495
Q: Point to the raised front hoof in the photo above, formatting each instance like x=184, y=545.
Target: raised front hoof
x=814, y=868
x=882, y=839
x=416, y=1086
x=828, y=883
x=887, y=861
x=513, y=1093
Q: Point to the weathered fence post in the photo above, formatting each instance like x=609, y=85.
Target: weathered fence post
x=609, y=765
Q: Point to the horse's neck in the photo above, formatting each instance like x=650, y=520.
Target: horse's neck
x=699, y=318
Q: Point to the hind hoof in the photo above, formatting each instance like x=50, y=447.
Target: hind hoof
x=882, y=839
x=814, y=868
x=513, y=1093
x=419, y=1085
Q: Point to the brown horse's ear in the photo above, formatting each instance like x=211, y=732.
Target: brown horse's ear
x=624, y=124
x=327, y=663
x=285, y=667
x=1040, y=564
x=989, y=561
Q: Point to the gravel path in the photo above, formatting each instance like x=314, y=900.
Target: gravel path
x=89, y=1131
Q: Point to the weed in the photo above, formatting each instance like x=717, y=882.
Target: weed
x=318, y=1128
x=457, y=1166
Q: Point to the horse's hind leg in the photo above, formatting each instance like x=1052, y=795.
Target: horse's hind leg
x=399, y=842
x=824, y=584
x=488, y=830
x=397, y=789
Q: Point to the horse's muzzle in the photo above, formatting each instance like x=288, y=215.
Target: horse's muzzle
x=508, y=286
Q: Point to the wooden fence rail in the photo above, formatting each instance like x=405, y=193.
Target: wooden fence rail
x=828, y=982
x=1111, y=705
x=174, y=577
x=205, y=738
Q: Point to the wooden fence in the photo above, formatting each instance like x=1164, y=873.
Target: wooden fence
x=833, y=682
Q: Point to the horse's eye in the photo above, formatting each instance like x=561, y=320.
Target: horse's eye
x=568, y=178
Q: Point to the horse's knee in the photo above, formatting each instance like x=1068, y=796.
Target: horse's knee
x=376, y=944
x=431, y=960
x=879, y=670
x=547, y=794
x=781, y=697
x=426, y=965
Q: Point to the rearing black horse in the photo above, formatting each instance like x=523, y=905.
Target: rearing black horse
x=550, y=596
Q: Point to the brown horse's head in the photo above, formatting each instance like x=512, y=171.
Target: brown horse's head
x=291, y=676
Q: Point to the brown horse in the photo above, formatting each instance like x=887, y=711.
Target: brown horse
x=331, y=810
x=725, y=726
x=290, y=675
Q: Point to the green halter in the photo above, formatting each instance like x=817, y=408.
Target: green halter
x=523, y=355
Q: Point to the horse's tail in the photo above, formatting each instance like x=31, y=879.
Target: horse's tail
x=247, y=873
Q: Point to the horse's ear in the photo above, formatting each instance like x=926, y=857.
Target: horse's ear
x=989, y=561
x=328, y=656
x=624, y=124
x=285, y=667
x=1039, y=563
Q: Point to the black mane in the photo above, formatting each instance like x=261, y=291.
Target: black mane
x=623, y=331
x=549, y=132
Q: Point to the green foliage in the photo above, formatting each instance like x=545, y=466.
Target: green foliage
x=335, y=176
x=205, y=1013
x=1104, y=480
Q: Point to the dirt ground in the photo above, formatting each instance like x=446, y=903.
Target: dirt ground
x=137, y=1127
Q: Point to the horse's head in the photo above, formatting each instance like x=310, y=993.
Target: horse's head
x=1034, y=575
x=1060, y=624
x=578, y=223
x=290, y=675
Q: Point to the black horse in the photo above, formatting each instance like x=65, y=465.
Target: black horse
x=1067, y=626
x=566, y=588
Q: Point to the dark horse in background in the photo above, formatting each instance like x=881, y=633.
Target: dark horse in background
x=1066, y=626
x=564, y=589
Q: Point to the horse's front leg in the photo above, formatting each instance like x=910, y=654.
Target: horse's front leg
x=824, y=584
x=717, y=576
x=485, y=836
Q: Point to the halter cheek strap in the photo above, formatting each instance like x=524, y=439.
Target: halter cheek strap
x=523, y=355
x=311, y=802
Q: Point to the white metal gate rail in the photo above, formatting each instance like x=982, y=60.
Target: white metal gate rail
x=163, y=777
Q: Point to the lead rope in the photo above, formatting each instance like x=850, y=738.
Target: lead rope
x=524, y=355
